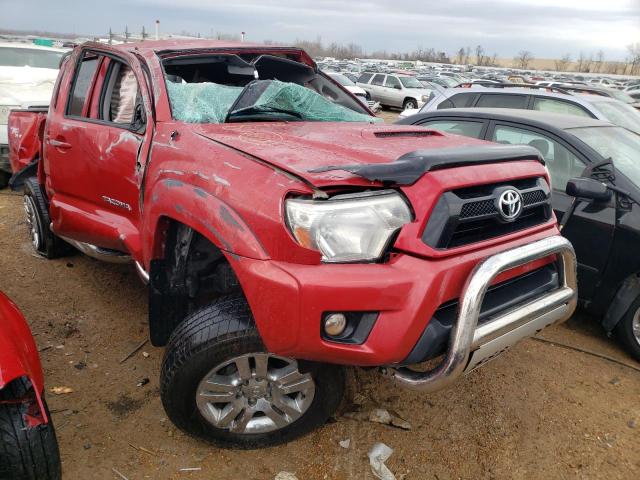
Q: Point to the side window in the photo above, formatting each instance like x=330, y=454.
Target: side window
x=459, y=100
x=121, y=94
x=457, y=127
x=378, y=79
x=365, y=77
x=392, y=82
x=562, y=164
x=558, y=106
x=81, y=85
x=489, y=100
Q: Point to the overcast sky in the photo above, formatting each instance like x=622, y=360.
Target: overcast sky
x=548, y=28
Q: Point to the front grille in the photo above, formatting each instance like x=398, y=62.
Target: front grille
x=470, y=215
x=477, y=209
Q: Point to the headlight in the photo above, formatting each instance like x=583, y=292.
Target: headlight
x=348, y=228
x=425, y=98
x=4, y=112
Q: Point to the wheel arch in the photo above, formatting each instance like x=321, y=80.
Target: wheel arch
x=178, y=201
x=190, y=267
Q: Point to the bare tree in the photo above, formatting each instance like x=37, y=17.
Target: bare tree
x=562, y=65
x=599, y=61
x=583, y=64
x=633, y=60
x=467, y=55
x=460, y=55
x=479, y=55
x=524, y=58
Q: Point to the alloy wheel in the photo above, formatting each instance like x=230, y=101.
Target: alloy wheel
x=33, y=223
x=255, y=393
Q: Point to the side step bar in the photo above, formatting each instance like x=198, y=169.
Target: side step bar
x=103, y=254
x=471, y=346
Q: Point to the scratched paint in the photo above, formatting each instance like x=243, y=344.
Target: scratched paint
x=229, y=219
x=200, y=192
x=230, y=165
x=173, y=183
x=122, y=138
x=174, y=172
x=221, y=181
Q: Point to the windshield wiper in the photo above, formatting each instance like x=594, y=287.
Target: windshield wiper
x=258, y=110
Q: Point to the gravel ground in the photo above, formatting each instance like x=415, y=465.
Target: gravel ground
x=537, y=412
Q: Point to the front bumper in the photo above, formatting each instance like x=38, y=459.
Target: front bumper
x=470, y=345
x=289, y=300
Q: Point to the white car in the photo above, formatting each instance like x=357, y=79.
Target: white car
x=356, y=90
x=27, y=76
x=347, y=84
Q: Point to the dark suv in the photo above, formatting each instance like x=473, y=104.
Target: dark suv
x=604, y=229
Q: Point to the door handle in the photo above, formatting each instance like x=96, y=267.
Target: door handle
x=59, y=144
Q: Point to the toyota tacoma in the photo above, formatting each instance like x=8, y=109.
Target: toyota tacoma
x=284, y=232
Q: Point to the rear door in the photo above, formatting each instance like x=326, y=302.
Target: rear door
x=392, y=91
x=94, y=149
x=376, y=87
x=592, y=225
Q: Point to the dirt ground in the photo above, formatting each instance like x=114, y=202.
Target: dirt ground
x=538, y=412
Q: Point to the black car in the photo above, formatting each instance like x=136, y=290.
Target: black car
x=603, y=222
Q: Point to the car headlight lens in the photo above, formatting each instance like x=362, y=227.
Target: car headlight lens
x=348, y=228
x=4, y=112
x=425, y=98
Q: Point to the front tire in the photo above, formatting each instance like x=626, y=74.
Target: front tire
x=26, y=452
x=219, y=383
x=43, y=240
x=410, y=103
x=628, y=330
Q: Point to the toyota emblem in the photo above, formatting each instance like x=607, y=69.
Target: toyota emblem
x=510, y=205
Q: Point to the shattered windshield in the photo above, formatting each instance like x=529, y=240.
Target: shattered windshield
x=214, y=87
x=283, y=99
x=260, y=100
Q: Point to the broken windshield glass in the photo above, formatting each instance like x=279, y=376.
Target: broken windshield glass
x=261, y=100
x=272, y=97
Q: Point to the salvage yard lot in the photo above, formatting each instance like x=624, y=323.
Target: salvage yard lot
x=539, y=411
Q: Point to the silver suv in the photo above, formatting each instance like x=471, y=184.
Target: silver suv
x=394, y=90
x=594, y=106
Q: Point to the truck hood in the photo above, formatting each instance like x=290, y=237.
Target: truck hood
x=26, y=86
x=300, y=147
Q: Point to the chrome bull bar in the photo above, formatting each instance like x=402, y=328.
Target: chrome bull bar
x=470, y=345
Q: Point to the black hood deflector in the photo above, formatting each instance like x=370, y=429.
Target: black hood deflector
x=408, y=168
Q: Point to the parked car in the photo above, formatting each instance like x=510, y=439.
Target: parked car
x=28, y=444
x=283, y=231
x=400, y=91
x=355, y=90
x=604, y=232
x=605, y=92
x=593, y=106
x=27, y=74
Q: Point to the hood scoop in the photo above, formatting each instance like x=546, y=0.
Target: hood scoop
x=406, y=133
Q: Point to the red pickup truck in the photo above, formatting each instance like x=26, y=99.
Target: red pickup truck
x=283, y=231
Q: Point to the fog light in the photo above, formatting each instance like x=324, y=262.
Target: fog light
x=334, y=324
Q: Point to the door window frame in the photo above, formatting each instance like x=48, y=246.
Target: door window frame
x=539, y=131
x=91, y=92
x=483, y=131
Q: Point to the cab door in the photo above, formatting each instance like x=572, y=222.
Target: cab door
x=591, y=227
x=93, y=150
